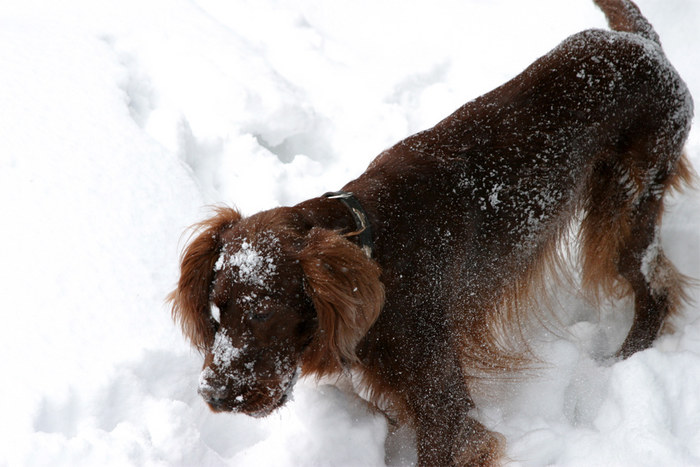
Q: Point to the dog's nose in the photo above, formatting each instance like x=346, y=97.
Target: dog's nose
x=214, y=396
x=214, y=393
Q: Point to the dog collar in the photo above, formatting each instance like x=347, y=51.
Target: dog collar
x=364, y=230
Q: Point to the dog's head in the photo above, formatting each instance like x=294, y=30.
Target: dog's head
x=266, y=297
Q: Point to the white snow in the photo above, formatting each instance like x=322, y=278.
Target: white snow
x=121, y=120
x=225, y=353
x=649, y=260
x=250, y=266
x=253, y=267
x=215, y=313
x=493, y=196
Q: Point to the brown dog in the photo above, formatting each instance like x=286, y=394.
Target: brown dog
x=420, y=274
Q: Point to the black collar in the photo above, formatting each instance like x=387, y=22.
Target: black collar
x=364, y=230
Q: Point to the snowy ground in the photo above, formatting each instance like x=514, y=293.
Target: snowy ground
x=119, y=123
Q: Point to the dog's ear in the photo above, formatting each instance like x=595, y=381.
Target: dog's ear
x=346, y=292
x=190, y=300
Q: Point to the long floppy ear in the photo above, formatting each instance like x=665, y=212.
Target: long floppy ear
x=347, y=294
x=190, y=300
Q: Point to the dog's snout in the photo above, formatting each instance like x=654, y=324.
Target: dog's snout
x=213, y=395
x=212, y=391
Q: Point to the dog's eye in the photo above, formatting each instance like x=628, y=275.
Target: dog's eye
x=262, y=310
x=261, y=315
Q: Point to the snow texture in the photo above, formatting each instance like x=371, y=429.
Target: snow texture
x=225, y=353
x=215, y=313
x=253, y=267
x=121, y=120
x=649, y=260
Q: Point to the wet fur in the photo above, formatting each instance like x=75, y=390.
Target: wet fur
x=468, y=220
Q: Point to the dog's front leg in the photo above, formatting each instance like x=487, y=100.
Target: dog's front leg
x=445, y=434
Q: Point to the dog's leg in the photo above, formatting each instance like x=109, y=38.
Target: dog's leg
x=620, y=233
x=656, y=283
x=445, y=434
x=475, y=445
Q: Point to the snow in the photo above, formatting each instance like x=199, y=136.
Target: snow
x=224, y=350
x=215, y=313
x=649, y=260
x=253, y=267
x=122, y=120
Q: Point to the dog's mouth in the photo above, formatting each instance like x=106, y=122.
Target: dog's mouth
x=258, y=402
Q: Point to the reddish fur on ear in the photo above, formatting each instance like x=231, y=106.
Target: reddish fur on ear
x=346, y=292
x=190, y=300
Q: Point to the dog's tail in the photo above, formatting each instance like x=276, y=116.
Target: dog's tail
x=624, y=15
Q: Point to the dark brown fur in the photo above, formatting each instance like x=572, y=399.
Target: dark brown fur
x=467, y=218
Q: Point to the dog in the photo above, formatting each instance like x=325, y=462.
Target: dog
x=419, y=274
